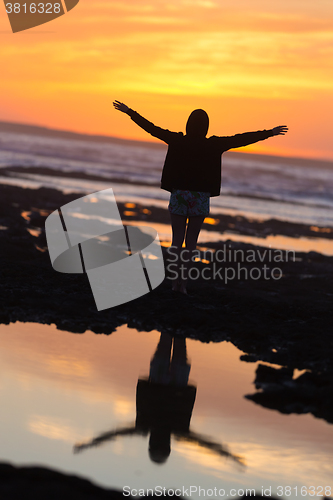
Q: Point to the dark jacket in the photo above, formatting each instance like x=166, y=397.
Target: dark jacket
x=194, y=163
x=160, y=405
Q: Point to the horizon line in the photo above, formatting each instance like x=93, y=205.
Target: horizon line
x=152, y=143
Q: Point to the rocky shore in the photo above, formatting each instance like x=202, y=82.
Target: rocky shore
x=41, y=483
x=285, y=321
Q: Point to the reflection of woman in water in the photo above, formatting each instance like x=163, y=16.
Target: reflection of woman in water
x=164, y=404
x=192, y=173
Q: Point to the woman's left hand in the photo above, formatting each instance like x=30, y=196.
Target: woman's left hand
x=281, y=130
x=120, y=106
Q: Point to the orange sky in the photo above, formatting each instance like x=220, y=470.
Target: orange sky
x=252, y=64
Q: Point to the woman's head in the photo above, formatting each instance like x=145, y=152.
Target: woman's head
x=197, y=123
x=159, y=444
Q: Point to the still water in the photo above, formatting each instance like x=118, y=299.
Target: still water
x=68, y=401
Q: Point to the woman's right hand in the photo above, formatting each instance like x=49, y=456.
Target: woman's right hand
x=281, y=130
x=120, y=106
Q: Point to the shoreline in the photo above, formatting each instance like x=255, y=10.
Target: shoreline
x=27, y=173
x=47, y=131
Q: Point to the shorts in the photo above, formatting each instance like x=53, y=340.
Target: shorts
x=164, y=372
x=189, y=203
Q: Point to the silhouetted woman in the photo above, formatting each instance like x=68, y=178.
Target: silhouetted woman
x=164, y=404
x=192, y=174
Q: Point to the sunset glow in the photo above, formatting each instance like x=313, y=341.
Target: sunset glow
x=250, y=64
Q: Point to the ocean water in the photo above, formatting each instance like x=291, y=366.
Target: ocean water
x=290, y=189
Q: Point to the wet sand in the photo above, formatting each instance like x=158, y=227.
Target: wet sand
x=285, y=321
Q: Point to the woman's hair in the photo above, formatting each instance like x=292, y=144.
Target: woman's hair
x=197, y=123
x=159, y=444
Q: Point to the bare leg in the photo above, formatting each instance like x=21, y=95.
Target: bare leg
x=160, y=362
x=178, y=223
x=163, y=349
x=179, y=350
x=179, y=366
x=192, y=234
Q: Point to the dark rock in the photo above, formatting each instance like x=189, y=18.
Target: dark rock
x=249, y=358
x=269, y=375
x=39, y=483
x=309, y=393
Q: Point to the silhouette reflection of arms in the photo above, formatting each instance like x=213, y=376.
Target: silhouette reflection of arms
x=199, y=439
x=109, y=436
x=190, y=437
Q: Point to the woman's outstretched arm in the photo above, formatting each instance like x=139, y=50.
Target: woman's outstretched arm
x=161, y=133
x=241, y=140
x=107, y=436
x=201, y=440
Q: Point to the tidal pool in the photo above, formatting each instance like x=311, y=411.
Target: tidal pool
x=70, y=402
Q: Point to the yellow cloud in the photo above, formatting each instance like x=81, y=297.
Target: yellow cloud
x=168, y=52
x=69, y=366
x=124, y=408
x=54, y=428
